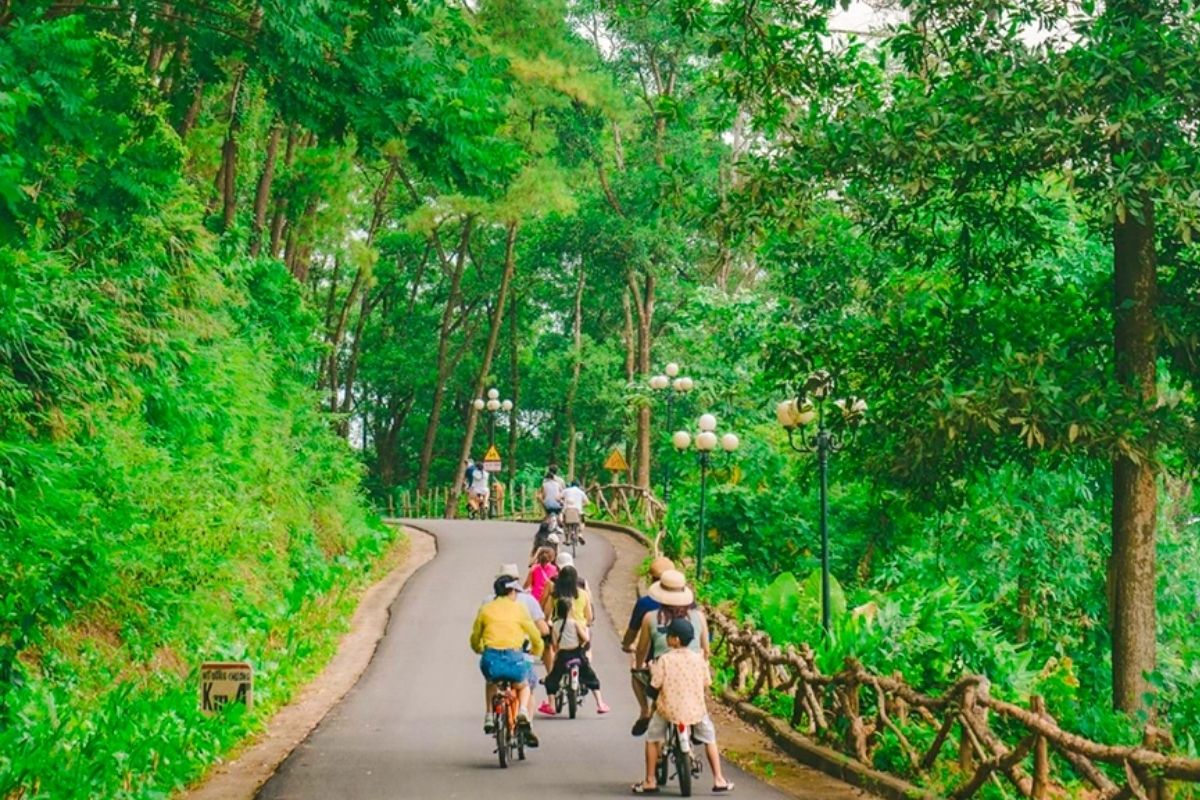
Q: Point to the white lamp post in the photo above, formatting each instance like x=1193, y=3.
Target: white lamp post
x=674, y=384
x=706, y=442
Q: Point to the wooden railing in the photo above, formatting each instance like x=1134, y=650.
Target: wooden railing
x=974, y=738
x=616, y=501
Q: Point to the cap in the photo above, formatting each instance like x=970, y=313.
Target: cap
x=504, y=584
x=682, y=630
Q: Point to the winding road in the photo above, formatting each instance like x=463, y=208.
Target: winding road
x=412, y=726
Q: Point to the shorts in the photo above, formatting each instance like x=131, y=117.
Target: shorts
x=531, y=661
x=552, y=507
x=504, y=665
x=703, y=731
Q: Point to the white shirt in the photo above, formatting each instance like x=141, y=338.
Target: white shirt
x=551, y=490
x=480, y=480
x=574, y=497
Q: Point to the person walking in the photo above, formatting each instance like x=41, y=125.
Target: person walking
x=676, y=601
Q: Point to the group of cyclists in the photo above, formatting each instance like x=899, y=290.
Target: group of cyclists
x=546, y=618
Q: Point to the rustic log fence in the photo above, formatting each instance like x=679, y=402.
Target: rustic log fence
x=615, y=501
x=974, y=738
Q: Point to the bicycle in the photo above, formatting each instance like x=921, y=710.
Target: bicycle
x=572, y=525
x=678, y=751
x=477, y=508
x=570, y=690
x=510, y=737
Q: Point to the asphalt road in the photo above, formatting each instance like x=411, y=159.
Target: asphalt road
x=413, y=725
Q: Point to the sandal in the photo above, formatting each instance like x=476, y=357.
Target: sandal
x=642, y=788
x=726, y=789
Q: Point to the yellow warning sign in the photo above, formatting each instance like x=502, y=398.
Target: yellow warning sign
x=492, y=454
x=616, y=462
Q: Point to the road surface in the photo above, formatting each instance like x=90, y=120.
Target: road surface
x=413, y=725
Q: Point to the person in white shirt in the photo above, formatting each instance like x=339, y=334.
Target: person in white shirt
x=552, y=491
x=573, y=501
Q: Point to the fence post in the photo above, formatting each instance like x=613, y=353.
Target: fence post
x=1041, y=753
x=966, y=755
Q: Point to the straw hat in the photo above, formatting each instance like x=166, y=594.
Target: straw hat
x=671, y=589
x=660, y=565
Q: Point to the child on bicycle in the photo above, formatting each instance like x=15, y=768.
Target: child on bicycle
x=570, y=639
x=681, y=677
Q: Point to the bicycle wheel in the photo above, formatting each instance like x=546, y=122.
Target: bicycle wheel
x=520, y=745
x=558, y=701
x=572, y=701
x=683, y=767
x=502, y=740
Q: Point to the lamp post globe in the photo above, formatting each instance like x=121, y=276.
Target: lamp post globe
x=682, y=440
x=707, y=422
x=730, y=442
x=478, y=403
x=507, y=405
x=493, y=394
x=672, y=369
x=706, y=441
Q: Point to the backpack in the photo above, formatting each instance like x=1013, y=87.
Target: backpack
x=470, y=475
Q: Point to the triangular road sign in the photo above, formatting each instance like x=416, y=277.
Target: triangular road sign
x=492, y=454
x=616, y=462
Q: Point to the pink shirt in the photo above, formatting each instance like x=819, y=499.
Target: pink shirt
x=540, y=575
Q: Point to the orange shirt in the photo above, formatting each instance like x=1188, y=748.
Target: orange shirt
x=682, y=679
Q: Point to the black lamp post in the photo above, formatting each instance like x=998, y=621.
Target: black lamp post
x=706, y=441
x=673, y=384
x=794, y=415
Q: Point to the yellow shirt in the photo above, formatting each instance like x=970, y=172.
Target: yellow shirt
x=504, y=624
x=581, y=608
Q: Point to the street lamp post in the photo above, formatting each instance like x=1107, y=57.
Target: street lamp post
x=794, y=415
x=706, y=442
x=492, y=404
x=673, y=383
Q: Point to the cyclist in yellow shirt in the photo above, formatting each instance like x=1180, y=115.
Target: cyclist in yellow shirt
x=502, y=628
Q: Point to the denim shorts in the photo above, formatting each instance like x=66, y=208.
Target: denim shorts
x=504, y=665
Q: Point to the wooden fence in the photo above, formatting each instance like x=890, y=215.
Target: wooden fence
x=975, y=738
x=616, y=501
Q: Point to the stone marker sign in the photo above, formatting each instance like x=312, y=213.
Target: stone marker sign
x=223, y=682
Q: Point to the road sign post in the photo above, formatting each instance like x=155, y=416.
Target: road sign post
x=224, y=682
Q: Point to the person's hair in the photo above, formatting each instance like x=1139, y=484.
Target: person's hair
x=545, y=555
x=562, y=608
x=500, y=585
x=552, y=469
x=575, y=484
x=567, y=583
x=669, y=613
x=544, y=529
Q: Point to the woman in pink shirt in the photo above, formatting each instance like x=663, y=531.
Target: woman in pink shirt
x=541, y=573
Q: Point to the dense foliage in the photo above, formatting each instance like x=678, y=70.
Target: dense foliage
x=980, y=217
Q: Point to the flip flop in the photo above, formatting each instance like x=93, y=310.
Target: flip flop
x=642, y=788
x=726, y=789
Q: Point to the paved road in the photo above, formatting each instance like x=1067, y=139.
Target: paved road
x=413, y=726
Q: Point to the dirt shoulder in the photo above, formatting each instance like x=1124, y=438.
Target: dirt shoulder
x=741, y=744
x=241, y=777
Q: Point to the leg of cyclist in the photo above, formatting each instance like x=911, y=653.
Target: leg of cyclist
x=489, y=691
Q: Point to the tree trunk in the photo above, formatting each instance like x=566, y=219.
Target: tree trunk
x=443, y=370
x=262, y=196
x=576, y=369
x=510, y=263
x=643, y=305
x=227, y=177
x=628, y=337
x=1132, y=573
x=193, y=111
x=514, y=380
x=281, y=205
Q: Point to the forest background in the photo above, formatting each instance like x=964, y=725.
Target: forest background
x=234, y=235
